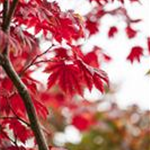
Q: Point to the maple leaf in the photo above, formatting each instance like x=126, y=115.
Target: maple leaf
x=66, y=29
x=92, y=76
x=91, y=58
x=100, y=77
x=80, y=122
x=135, y=54
x=112, y=31
x=3, y=134
x=18, y=129
x=98, y=82
x=130, y=32
x=41, y=109
x=8, y=98
x=4, y=105
x=92, y=26
x=83, y=121
x=61, y=53
x=86, y=74
x=16, y=148
x=66, y=76
x=17, y=105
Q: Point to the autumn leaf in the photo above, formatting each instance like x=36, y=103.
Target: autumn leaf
x=131, y=33
x=3, y=133
x=83, y=121
x=135, y=54
x=16, y=148
x=18, y=129
x=92, y=26
x=112, y=31
x=66, y=75
x=93, y=76
x=91, y=58
x=41, y=109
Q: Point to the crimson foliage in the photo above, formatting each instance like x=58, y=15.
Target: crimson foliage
x=70, y=70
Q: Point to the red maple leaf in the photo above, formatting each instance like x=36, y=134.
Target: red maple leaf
x=112, y=31
x=3, y=134
x=16, y=148
x=83, y=121
x=135, y=54
x=18, y=129
x=92, y=76
x=40, y=108
x=92, y=26
x=91, y=58
x=131, y=33
x=73, y=76
x=67, y=76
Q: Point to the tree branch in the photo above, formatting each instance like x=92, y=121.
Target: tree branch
x=9, y=15
x=6, y=21
x=23, y=92
x=20, y=86
x=5, y=11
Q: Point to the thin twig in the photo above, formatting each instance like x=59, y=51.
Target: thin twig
x=34, y=60
x=43, y=61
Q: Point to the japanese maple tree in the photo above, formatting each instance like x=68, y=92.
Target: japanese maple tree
x=24, y=103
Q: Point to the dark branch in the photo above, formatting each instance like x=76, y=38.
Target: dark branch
x=20, y=86
x=5, y=11
x=9, y=15
x=23, y=92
